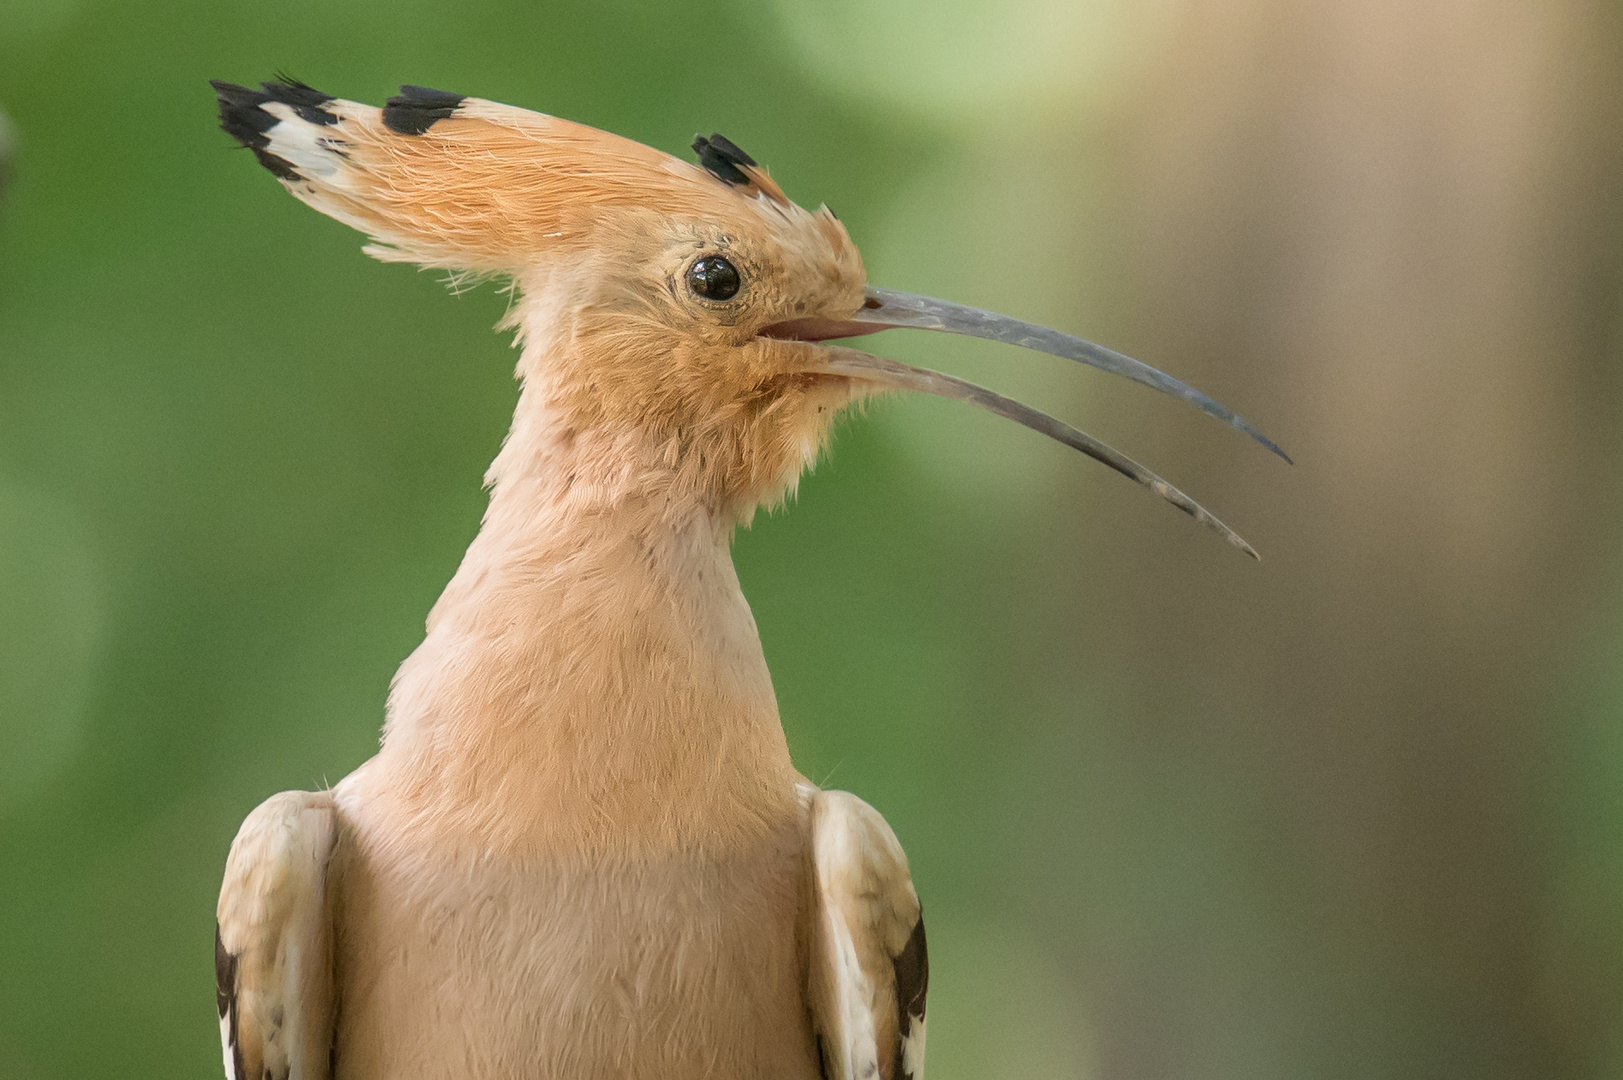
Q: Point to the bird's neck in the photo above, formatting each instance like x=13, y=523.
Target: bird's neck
x=592, y=674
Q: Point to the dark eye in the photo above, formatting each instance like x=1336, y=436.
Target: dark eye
x=713, y=278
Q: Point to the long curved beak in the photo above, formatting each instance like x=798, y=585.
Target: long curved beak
x=883, y=371
x=887, y=309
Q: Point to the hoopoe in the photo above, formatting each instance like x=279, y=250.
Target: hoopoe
x=581, y=850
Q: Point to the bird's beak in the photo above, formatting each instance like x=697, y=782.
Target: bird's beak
x=887, y=309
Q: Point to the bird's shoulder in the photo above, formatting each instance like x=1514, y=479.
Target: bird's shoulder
x=869, y=965
x=273, y=942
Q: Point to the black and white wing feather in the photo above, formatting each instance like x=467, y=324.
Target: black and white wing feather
x=869, y=969
x=273, y=943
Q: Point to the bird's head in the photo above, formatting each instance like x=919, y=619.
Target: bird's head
x=675, y=316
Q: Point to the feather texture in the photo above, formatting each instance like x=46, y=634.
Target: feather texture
x=273, y=943
x=869, y=968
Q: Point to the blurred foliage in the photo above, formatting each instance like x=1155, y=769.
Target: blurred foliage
x=1354, y=812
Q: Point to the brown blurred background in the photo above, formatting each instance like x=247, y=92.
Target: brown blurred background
x=1356, y=811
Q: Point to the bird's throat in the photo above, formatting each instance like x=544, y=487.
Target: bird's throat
x=592, y=675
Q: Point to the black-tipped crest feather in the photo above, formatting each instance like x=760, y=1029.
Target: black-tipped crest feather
x=416, y=109
x=305, y=100
x=243, y=117
x=721, y=157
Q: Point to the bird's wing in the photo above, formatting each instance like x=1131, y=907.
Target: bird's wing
x=273, y=944
x=869, y=970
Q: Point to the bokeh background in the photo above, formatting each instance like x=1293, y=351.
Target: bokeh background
x=1356, y=811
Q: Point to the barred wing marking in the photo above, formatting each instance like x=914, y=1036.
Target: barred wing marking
x=869, y=966
x=273, y=943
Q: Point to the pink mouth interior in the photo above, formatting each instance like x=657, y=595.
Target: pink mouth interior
x=820, y=329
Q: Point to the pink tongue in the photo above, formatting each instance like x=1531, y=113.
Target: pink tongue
x=820, y=329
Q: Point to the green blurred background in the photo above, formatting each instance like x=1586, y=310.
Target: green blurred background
x=1353, y=812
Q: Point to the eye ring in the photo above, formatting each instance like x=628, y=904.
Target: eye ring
x=714, y=277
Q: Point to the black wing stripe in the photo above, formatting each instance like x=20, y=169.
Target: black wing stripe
x=912, y=984
x=225, y=997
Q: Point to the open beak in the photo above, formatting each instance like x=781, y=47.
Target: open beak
x=886, y=309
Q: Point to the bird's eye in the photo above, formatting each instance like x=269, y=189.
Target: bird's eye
x=713, y=278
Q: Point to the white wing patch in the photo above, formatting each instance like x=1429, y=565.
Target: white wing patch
x=273, y=945
x=869, y=966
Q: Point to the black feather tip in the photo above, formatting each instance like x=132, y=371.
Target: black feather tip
x=416, y=108
x=721, y=158
x=912, y=969
x=243, y=117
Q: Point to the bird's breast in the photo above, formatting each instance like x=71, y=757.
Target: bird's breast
x=456, y=961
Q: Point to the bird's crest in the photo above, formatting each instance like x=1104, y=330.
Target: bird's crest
x=468, y=184
x=722, y=158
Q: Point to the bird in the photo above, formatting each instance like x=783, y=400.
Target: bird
x=581, y=849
